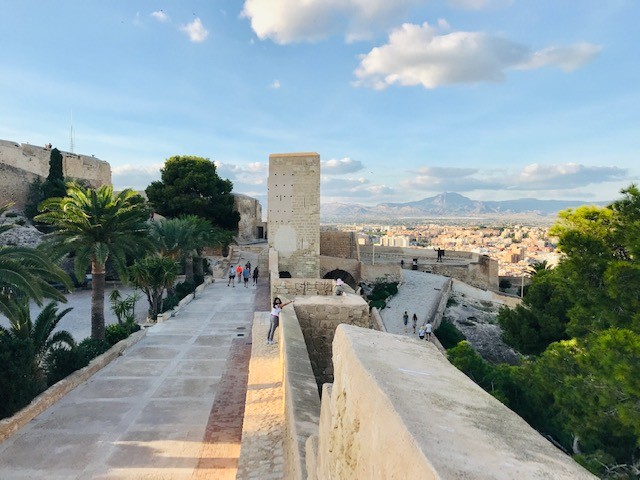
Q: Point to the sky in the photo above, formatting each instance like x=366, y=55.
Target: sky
x=402, y=99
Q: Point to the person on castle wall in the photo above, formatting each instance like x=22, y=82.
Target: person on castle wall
x=414, y=321
x=239, y=273
x=428, y=330
x=339, y=286
x=246, y=273
x=255, y=276
x=422, y=331
x=275, y=318
x=405, y=320
x=232, y=276
x=402, y=263
x=248, y=264
x=440, y=254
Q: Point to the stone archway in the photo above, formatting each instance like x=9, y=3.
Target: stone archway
x=345, y=276
x=284, y=274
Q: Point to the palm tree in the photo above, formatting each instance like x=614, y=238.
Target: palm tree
x=154, y=274
x=180, y=238
x=40, y=332
x=27, y=272
x=96, y=226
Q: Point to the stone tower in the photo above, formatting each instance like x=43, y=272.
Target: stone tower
x=294, y=212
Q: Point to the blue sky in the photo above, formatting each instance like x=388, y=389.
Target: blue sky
x=402, y=99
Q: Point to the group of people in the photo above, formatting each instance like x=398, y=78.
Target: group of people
x=243, y=274
x=425, y=330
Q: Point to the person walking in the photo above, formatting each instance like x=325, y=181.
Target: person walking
x=428, y=330
x=246, y=273
x=275, y=318
x=405, y=320
x=414, y=321
x=232, y=276
x=255, y=276
x=421, y=332
x=239, y=272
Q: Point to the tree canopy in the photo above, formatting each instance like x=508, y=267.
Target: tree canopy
x=191, y=185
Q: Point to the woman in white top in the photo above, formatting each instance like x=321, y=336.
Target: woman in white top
x=275, y=318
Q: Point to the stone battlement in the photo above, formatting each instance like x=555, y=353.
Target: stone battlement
x=21, y=164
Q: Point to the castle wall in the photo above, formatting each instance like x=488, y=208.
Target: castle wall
x=319, y=316
x=20, y=164
x=398, y=409
x=294, y=212
x=250, y=217
x=338, y=244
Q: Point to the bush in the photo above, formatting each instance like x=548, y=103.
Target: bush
x=92, y=347
x=169, y=302
x=20, y=380
x=448, y=335
x=184, y=288
x=381, y=291
x=119, y=331
x=62, y=362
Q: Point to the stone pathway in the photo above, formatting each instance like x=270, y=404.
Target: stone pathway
x=169, y=408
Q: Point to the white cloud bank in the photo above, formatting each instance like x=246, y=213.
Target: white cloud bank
x=420, y=55
x=340, y=166
x=534, y=177
x=195, y=31
x=289, y=21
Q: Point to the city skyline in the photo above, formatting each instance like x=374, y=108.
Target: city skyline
x=493, y=99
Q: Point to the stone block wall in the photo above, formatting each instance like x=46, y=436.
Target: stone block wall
x=334, y=243
x=289, y=287
x=398, y=409
x=21, y=164
x=294, y=212
x=319, y=316
x=250, y=212
x=386, y=272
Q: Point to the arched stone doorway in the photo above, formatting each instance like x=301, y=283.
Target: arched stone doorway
x=284, y=274
x=345, y=276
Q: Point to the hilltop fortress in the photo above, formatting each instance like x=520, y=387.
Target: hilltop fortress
x=21, y=164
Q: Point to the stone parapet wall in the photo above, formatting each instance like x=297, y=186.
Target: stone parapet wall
x=399, y=409
x=302, y=401
x=20, y=164
x=384, y=272
x=301, y=286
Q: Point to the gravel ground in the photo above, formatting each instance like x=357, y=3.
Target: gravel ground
x=78, y=321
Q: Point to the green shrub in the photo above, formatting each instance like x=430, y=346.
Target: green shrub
x=379, y=304
x=448, y=335
x=169, y=302
x=119, y=331
x=184, y=288
x=381, y=291
x=62, y=362
x=92, y=347
x=198, y=279
x=20, y=381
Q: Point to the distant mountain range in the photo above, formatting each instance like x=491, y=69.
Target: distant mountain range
x=447, y=205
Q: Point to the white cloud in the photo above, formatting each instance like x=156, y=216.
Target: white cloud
x=420, y=55
x=341, y=166
x=275, y=85
x=160, y=16
x=567, y=58
x=479, y=4
x=288, y=21
x=534, y=177
x=135, y=177
x=254, y=174
x=195, y=31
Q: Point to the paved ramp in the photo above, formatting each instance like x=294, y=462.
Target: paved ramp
x=419, y=293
